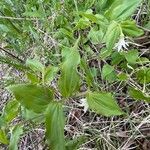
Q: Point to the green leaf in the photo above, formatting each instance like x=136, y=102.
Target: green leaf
x=10, y=111
x=131, y=56
x=129, y=28
x=69, y=79
x=116, y=58
x=55, y=126
x=35, y=65
x=62, y=32
x=106, y=70
x=16, y=132
x=3, y=137
x=50, y=73
x=95, y=36
x=139, y=95
x=143, y=60
x=143, y=75
x=147, y=25
x=89, y=3
x=103, y=103
x=89, y=15
x=3, y=28
x=122, y=76
x=107, y=3
x=105, y=53
x=30, y=115
x=108, y=73
x=83, y=23
x=111, y=77
x=88, y=73
x=112, y=35
x=34, y=12
x=75, y=143
x=2, y=122
x=33, y=78
x=32, y=97
x=122, y=9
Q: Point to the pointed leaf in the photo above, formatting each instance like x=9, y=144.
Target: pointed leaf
x=50, y=73
x=139, y=95
x=103, y=103
x=122, y=9
x=108, y=73
x=106, y=70
x=143, y=75
x=10, y=111
x=69, y=78
x=89, y=15
x=116, y=58
x=3, y=137
x=16, y=132
x=3, y=28
x=88, y=73
x=122, y=76
x=112, y=35
x=75, y=143
x=131, y=56
x=33, y=97
x=33, y=78
x=32, y=116
x=95, y=36
x=83, y=23
x=55, y=126
x=35, y=65
x=129, y=28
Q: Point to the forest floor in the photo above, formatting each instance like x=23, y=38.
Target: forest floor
x=131, y=132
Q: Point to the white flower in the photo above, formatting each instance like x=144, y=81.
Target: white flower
x=84, y=104
x=121, y=44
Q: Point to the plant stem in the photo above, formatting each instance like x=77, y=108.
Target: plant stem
x=12, y=55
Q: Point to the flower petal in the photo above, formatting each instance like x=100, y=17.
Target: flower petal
x=84, y=104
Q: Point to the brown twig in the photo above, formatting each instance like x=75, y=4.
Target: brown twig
x=12, y=55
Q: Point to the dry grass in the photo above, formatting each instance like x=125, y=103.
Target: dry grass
x=128, y=132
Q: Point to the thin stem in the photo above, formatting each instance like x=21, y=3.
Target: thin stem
x=18, y=18
x=12, y=55
x=76, y=6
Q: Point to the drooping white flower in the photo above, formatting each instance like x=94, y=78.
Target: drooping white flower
x=84, y=103
x=122, y=44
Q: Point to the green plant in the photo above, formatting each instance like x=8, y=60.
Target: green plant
x=66, y=36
